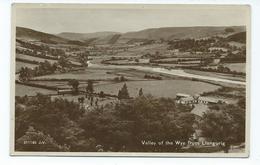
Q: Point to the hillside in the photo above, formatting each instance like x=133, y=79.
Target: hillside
x=85, y=36
x=29, y=34
x=110, y=39
x=169, y=33
x=238, y=37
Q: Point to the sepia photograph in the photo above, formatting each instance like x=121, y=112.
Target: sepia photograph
x=130, y=80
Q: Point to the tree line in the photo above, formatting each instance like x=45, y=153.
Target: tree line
x=65, y=126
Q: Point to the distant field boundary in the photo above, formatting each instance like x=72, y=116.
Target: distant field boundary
x=37, y=85
x=27, y=61
x=55, y=89
x=43, y=57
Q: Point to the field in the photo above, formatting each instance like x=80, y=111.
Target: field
x=98, y=74
x=19, y=65
x=64, y=84
x=22, y=90
x=238, y=67
x=31, y=58
x=158, y=88
x=81, y=75
x=237, y=44
x=214, y=74
x=163, y=88
x=138, y=51
x=101, y=101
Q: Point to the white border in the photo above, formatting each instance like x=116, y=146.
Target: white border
x=5, y=32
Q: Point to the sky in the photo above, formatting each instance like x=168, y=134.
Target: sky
x=88, y=19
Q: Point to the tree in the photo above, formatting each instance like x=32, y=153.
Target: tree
x=123, y=93
x=64, y=62
x=81, y=100
x=130, y=122
x=34, y=140
x=83, y=58
x=25, y=74
x=122, y=78
x=75, y=84
x=101, y=94
x=184, y=120
x=140, y=92
x=90, y=88
x=225, y=123
x=229, y=30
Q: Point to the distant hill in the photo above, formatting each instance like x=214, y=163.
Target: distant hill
x=238, y=37
x=30, y=34
x=166, y=33
x=169, y=33
x=85, y=36
x=110, y=39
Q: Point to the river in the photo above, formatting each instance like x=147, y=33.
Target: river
x=175, y=72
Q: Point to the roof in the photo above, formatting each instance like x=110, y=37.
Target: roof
x=218, y=48
x=208, y=99
x=183, y=95
x=235, y=52
x=199, y=109
x=190, y=98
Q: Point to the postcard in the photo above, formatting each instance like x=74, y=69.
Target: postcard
x=130, y=80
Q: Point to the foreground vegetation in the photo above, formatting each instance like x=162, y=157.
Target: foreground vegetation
x=42, y=124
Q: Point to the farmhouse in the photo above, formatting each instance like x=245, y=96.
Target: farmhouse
x=235, y=52
x=216, y=61
x=181, y=95
x=207, y=100
x=188, y=99
x=211, y=49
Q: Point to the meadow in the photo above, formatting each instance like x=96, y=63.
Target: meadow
x=19, y=65
x=97, y=74
x=22, y=90
x=31, y=58
x=218, y=75
x=158, y=88
x=238, y=67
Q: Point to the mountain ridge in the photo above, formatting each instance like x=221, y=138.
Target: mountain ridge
x=109, y=37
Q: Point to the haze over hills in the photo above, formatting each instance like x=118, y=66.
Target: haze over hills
x=166, y=33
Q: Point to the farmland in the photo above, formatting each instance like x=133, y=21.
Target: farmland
x=19, y=65
x=239, y=67
x=21, y=90
x=95, y=74
x=164, y=88
x=30, y=58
